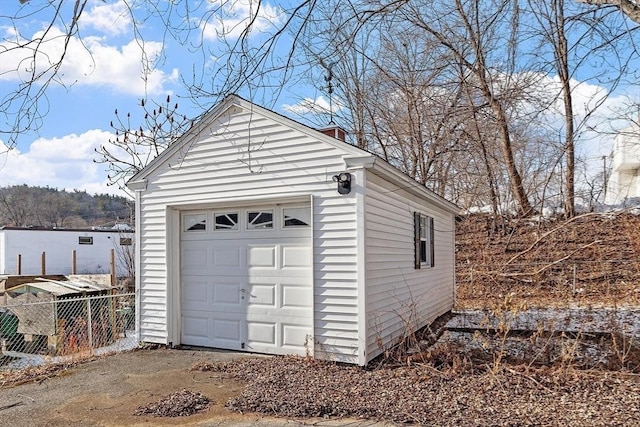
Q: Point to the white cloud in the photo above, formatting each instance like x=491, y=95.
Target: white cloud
x=234, y=16
x=63, y=163
x=108, y=18
x=87, y=62
x=320, y=105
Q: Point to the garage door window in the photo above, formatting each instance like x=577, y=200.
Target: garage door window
x=259, y=219
x=226, y=221
x=195, y=222
x=296, y=217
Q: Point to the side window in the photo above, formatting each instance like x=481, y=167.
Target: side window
x=195, y=222
x=226, y=221
x=296, y=217
x=259, y=220
x=423, y=240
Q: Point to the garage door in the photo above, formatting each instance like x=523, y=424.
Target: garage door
x=246, y=279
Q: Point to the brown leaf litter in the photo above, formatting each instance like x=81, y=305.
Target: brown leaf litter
x=179, y=404
x=298, y=387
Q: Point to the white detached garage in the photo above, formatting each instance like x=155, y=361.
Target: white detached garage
x=260, y=234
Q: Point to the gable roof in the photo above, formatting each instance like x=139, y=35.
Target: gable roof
x=235, y=101
x=354, y=157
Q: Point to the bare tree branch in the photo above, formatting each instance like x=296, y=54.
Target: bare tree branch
x=630, y=8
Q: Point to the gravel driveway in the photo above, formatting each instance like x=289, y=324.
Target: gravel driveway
x=107, y=392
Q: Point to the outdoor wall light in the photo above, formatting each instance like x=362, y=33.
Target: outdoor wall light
x=344, y=182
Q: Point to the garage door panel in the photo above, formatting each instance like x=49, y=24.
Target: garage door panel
x=293, y=296
x=197, y=257
x=261, y=333
x=278, y=337
x=262, y=295
x=227, y=331
x=296, y=257
x=197, y=294
x=261, y=257
x=228, y=257
x=196, y=328
x=295, y=336
x=226, y=295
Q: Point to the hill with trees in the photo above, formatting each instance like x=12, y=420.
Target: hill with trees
x=25, y=206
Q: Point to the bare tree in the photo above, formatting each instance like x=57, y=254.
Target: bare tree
x=18, y=204
x=54, y=209
x=631, y=8
x=412, y=99
x=561, y=53
x=469, y=34
x=25, y=107
x=570, y=40
x=134, y=146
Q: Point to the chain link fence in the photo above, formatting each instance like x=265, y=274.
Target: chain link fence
x=43, y=328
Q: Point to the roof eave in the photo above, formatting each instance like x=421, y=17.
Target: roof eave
x=392, y=174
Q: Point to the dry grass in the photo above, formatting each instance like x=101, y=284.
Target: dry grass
x=592, y=259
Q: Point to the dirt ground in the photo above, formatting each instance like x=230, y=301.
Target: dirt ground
x=107, y=392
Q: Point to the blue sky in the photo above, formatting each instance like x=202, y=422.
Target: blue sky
x=103, y=72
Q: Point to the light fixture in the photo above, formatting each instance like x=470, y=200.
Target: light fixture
x=344, y=182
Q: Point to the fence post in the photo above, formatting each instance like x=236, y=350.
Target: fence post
x=112, y=265
x=43, y=263
x=90, y=331
x=73, y=262
x=19, y=266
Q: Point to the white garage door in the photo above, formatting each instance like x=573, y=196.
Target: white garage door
x=247, y=279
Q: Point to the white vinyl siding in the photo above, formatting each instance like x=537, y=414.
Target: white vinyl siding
x=398, y=295
x=243, y=157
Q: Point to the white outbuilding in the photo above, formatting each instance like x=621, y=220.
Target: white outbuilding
x=260, y=234
x=623, y=184
x=63, y=251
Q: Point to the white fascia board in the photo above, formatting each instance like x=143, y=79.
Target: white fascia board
x=360, y=162
x=392, y=174
x=139, y=185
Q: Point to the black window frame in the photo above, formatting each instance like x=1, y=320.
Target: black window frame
x=424, y=243
x=85, y=240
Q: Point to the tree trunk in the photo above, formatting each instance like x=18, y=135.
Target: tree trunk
x=562, y=65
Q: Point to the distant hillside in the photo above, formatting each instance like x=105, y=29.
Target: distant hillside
x=25, y=206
